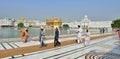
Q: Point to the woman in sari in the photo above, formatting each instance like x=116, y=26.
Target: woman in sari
x=26, y=36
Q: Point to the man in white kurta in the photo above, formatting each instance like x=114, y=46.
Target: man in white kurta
x=79, y=34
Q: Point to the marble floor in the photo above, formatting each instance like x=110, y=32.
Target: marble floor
x=74, y=51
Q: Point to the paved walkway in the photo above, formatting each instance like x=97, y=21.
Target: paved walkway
x=11, y=45
x=63, y=52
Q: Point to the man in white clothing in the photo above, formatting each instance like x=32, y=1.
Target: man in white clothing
x=87, y=38
x=79, y=31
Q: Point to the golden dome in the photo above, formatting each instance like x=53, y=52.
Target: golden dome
x=22, y=18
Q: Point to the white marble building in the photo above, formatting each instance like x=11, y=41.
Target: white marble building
x=94, y=24
x=27, y=23
x=100, y=24
x=72, y=24
x=6, y=22
x=87, y=23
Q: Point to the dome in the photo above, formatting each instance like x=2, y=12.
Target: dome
x=22, y=18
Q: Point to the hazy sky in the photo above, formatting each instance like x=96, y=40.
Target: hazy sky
x=67, y=10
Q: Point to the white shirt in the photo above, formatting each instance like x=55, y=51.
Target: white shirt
x=87, y=34
x=79, y=32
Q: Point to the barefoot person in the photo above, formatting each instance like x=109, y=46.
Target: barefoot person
x=26, y=36
x=22, y=34
x=118, y=30
x=79, y=35
x=87, y=38
x=56, y=42
x=41, y=37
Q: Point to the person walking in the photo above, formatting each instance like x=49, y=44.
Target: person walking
x=42, y=37
x=56, y=37
x=118, y=30
x=100, y=30
x=26, y=36
x=103, y=29
x=79, y=35
x=22, y=34
x=87, y=38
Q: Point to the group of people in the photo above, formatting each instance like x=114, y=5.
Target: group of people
x=79, y=35
x=103, y=30
x=42, y=37
x=25, y=36
x=56, y=37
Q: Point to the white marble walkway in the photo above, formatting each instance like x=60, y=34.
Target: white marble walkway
x=74, y=51
x=10, y=45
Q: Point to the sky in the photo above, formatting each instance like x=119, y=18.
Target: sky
x=67, y=10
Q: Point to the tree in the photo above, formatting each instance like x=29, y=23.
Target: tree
x=66, y=26
x=20, y=25
x=115, y=23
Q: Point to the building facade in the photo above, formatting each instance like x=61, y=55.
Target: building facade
x=100, y=24
x=6, y=22
x=53, y=22
x=29, y=23
x=87, y=23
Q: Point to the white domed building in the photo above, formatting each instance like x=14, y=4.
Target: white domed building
x=85, y=22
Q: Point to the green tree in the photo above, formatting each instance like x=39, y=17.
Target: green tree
x=66, y=26
x=20, y=25
x=115, y=23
